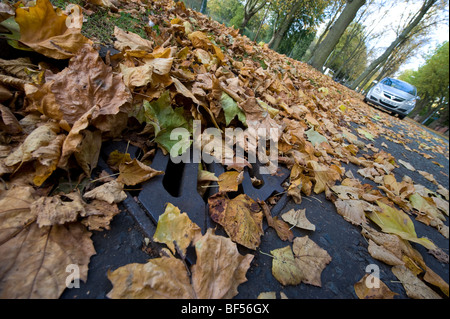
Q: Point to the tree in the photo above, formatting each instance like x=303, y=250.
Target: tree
x=432, y=82
x=329, y=43
x=252, y=7
x=415, y=20
x=305, y=13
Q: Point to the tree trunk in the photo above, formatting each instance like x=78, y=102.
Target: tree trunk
x=313, y=50
x=426, y=6
x=284, y=26
x=250, y=9
x=335, y=33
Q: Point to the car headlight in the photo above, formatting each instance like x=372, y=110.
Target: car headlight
x=377, y=90
x=411, y=104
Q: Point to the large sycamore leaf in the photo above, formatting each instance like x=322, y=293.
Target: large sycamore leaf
x=164, y=119
x=175, y=227
x=88, y=82
x=37, y=257
x=241, y=217
x=218, y=271
x=45, y=30
x=393, y=221
x=303, y=263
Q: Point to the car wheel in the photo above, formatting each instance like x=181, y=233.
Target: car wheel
x=401, y=116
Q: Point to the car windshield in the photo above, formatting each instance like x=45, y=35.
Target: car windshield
x=400, y=85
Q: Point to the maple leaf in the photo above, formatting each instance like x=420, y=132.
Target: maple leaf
x=45, y=30
x=45, y=252
x=164, y=119
x=175, y=227
x=303, y=263
x=241, y=217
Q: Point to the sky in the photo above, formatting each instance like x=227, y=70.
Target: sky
x=391, y=15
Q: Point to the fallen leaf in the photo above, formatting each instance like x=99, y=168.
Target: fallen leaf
x=364, y=292
x=394, y=221
x=88, y=82
x=315, y=137
x=45, y=30
x=407, y=165
x=175, y=227
x=164, y=119
x=415, y=288
x=282, y=229
x=111, y=192
x=135, y=172
x=241, y=217
x=129, y=40
x=218, y=271
x=298, y=218
x=230, y=181
x=45, y=252
x=41, y=136
x=353, y=210
x=304, y=263
x=57, y=210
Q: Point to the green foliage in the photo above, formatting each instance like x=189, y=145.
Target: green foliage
x=100, y=25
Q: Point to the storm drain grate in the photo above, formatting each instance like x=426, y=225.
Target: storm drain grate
x=179, y=186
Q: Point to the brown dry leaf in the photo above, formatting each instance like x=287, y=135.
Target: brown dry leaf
x=353, y=210
x=230, y=181
x=88, y=150
x=41, y=136
x=363, y=292
x=45, y=252
x=136, y=76
x=44, y=29
x=176, y=227
x=407, y=165
x=159, y=278
x=75, y=137
x=129, y=40
x=111, y=192
x=428, y=176
x=8, y=122
x=282, y=229
x=304, y=263
x=415, y=288
x=298, y=219
x=241, y=217
x=135, y=172
x=47, y=159
x=58, y=209
x=219, y=268
x=99, y=214
x=218, y=271
x=324, y=176
x=88, y=82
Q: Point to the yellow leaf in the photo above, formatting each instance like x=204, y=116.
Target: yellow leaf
x=241, y=218
x=393, y=221
x=135, y=172
x=174, y=226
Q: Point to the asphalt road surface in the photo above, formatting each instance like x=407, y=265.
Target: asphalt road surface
x=125, y=242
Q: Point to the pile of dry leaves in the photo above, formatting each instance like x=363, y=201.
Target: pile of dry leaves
x=54, y=121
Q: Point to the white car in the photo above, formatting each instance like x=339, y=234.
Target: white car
x=393, y=95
